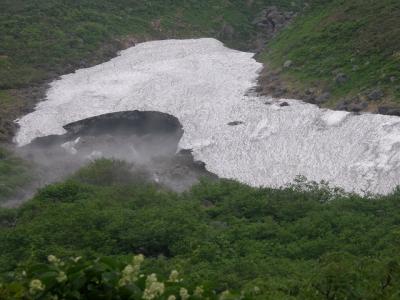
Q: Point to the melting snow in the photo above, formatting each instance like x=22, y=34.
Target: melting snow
x=204, y=85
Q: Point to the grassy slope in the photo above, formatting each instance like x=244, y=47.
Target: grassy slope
x=14, y=174
x=37, y=37
x=357, y=37
x=293, y=243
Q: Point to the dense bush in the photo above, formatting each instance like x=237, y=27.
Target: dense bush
x=103, y=278
x=14, y=174
x=305, y=241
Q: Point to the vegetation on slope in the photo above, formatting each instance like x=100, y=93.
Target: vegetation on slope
x=301, y=242
x=14, y=174
x=104, y=278
x=356, y=38
x=38, y=38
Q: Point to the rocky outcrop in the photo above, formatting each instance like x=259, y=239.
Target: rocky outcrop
x=375, y=94
x=387, y=110
x=269, y=22
x=353, y=105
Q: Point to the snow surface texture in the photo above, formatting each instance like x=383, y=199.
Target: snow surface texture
x=204, y=85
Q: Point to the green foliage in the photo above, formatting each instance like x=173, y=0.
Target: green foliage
x=306, y=241
x=14, y=174
x=38, y=38
x=357, y=37
x=103, y=278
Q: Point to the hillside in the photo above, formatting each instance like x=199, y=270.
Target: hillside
x=305, y=240
x=340, y=54
x=299, y=242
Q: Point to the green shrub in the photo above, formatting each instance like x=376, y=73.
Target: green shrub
x=292, y=243
x=103, y=278
x=14, y=174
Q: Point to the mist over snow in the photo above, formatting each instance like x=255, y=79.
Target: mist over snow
x=205, y=85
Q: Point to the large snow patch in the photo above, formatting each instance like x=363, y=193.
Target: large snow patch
x=204, y=85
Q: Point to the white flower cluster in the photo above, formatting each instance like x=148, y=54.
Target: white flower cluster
x=131, y=272
x=36, y=286
x=174, y=276
x=54, y=260
x=184, y=294
x=61, y=277
x=153, y=288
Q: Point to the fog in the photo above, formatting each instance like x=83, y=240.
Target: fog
x=147, y=141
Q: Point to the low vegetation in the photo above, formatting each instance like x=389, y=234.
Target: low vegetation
x=38, y=38
x=104, y=278
x=355, y=38
x=14, y=174
x=305, y=241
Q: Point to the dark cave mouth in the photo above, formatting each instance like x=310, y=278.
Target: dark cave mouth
x=148, y=140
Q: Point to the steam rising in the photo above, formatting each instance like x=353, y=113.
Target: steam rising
x=146, y=140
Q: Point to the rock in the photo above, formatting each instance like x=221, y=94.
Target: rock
x=309, y=95
x=342, y=105
x=283, y=104
x=270, y=20
x=392, y=78
x=288, y=64
x=341, y=78
x=227, y=32
x=357, y=106
x=235, y=123
x=385, y=110
x=199, y=164
x=324, y=97
x=375, y=94
x=353, y=105
x=278, y=92
x=310, y=91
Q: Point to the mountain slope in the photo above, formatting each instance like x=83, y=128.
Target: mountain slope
x=348, y=48
x=298, y=242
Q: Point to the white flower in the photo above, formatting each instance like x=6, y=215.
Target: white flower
x=138, y=259
x=76, y=259
x=131, y=272
x=174, y=276
x=153, y=288
x=36, y=286
x=184, y=294
x=150, y=279
x=61, y=277
x=198, y=292
x=53, y=259
x=224, y=295
x=172, y=297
